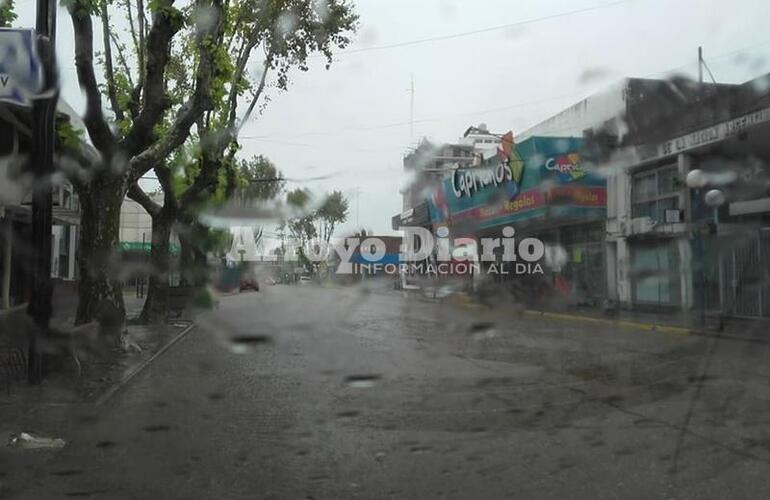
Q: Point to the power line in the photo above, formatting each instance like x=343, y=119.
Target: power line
x=270, y=138
x=272, y=179
x=481, y=30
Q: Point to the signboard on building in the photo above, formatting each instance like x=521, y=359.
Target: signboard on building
x=547, y=180
x=21, y=73
x=712, y=134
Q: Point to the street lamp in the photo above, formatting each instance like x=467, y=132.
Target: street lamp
x=714, y=198
x=696, y=179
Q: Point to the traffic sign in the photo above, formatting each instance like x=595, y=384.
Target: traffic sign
x=21, y=71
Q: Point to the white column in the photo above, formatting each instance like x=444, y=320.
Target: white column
x=72, y=250
x=684, y=165
x=623, y=267
x=56, y=233
x=611, y=258
x=685, y=272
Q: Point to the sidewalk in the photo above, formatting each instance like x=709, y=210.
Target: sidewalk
x=678, y=323
x=76, y=386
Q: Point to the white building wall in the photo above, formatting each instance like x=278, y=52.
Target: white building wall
x=590, y=112
x=135, y=222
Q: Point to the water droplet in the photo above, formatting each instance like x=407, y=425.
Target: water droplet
x=362, y=381
x=244, y=343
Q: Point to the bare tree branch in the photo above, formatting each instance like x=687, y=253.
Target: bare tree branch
x=142, y=47
x=163, y=173
x=189, y=112
x=154, y=99
x=122, y=58
x=256, y=95
x=205, y=182
x=138, y=195
x=244, y=52
x=108, y=69
x=132, y=28
x=98, y=130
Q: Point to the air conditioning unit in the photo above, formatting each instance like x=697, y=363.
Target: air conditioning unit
x=642, y=225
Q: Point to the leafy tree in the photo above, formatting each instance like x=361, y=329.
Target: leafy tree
x=258, y=179
x=174, y=84
x=7, y=14
x=333, y=211
x=301, y=227
x=149, y=124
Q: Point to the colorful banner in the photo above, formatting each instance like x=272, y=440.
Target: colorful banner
x=543, y=177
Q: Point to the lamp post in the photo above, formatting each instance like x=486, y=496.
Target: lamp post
x=714, y=198
x=43, y=119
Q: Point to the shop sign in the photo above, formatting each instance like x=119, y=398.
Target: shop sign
x=582, y=196
x=672, y=216
x=21, y=74
x=568, y=167
x=467, y=181
x=713, y=134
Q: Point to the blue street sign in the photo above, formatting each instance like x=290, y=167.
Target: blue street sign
x=21, y=71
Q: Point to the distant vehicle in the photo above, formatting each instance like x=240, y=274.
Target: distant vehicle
x=248, y=282
x=271, y=281
x=305, y=280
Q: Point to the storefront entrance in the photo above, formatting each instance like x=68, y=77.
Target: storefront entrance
x=655, y=273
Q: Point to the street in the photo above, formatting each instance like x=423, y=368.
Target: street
x=302, y=392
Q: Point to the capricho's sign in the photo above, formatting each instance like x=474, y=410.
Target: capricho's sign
x=467, y=181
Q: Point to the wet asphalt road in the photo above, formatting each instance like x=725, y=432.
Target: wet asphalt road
x=302, y=392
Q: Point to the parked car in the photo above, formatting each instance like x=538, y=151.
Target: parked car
x=248, y=282
x=305, y=280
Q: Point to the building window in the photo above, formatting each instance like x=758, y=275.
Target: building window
x=655, y=191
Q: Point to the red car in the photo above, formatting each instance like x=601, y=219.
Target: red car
x=248, y=282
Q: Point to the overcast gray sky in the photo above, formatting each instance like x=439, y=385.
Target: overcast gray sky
x=351, y=122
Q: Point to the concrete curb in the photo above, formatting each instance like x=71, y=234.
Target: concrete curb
x=469, y=303
x=141, y=366
x=652, y=327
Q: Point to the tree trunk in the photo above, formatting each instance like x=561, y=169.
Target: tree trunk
x=100, y=296
x=193, y=255
x=155, y=309
x=7, y=227
x=186, y=257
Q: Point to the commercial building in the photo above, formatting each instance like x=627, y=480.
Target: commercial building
x=540, y=189
x=16, y=187
x=667, y=248
x=604, y=184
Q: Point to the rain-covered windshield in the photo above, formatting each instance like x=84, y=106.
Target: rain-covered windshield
x=330, y=249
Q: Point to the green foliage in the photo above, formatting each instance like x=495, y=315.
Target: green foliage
x=202, y=299
x=83, y=8
x=333, y=211
x=317, y=223
x=68, y=137
x=302, y=228
x=258, y=179
x=217, y=241
x=298, y=198
x=7, y=14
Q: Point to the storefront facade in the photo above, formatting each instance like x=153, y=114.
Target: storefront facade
x=667, y=247
x=540, y=188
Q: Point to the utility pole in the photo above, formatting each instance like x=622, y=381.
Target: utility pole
x=700, y=65
x=43, y=122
